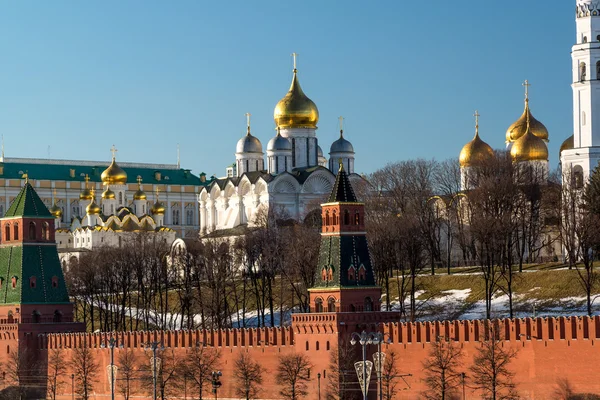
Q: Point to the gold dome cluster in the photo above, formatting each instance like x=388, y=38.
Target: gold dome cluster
x=139, y=194
x=86, y=193
x=93, y=208
x=108, y=194
x=56, y=211
x=519, y=127
x=568, y=144
x=529, y=148
x=114, y=175
x=295, y=109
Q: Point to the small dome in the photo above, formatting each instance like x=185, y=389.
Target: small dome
x=519, y=127
x=249, y=144
x=296, y=110
x=114, y=175
x=568, y=144
x=341, y=145
x=319, y=151
x=93, y=208
x=108, y=194
x=86, y=194
x=474, y=152
x=279, y=143
x=158, y=208
x=56, y=211
x=139, y=194
x=529, y=148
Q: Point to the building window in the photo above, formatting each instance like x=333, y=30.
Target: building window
x=351, y=273
x=585, y=39
x=362, y=272
x=583, y=118
x=57, y=316
x=317, y=345
x=32, y=230
x=327, y=347
x=45, y=231
x=577, y=177
x=331, y=305
x=36, y=316
x=14, y=282
x=7, y=232
x=335, y=217
x=307, y=346
x=54, y=281
x=175, y=217
x=356, y=218
x=582, y=72
x=32, y=282
x=189, y=217
x=120, y=198
x=368, y=304
x=319, y=305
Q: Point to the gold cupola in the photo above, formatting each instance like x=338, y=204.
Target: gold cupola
x=114, y=175
x=93, y=208
x=139, y=194
x=86, y=194
x=158, y=208
x=568, y=144
x=476, y=151
x=296, y=110
x=55, y=210
x=108, y=194
x=529, y=147
x=519, y=127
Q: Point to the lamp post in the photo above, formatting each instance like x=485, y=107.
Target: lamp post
x=154, y=347
x=365, y=339
x=319, y=384
x=73, y=386
x=462, y=379
x=111, y=345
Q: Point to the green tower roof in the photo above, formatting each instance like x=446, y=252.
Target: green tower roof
x=28, y=204
x=342, y=189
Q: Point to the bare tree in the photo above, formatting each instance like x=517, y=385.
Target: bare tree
x=248, y=375
x=57, y=367
x=340, y=375
x=390, y=376
x=198, y=366
x=22, y=373
x=490, y=370
x=168, y=366
x=128, y=371
x=293, y=373
x=442, y=376
x=86, y=369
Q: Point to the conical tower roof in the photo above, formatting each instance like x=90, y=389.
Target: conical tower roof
x=342, y=189
x=28, y=204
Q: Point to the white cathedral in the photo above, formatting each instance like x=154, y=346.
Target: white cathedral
x=295, y=179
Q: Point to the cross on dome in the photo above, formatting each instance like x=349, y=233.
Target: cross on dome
x=476, y=115
x=139, y=180
x=341, y=119
x=248, y=121
x=113, y=150
x=526, y=84
x=295, y=57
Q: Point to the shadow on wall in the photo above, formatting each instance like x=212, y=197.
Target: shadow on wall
x=564, y=391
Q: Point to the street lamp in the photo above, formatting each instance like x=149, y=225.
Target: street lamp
x=319, y=384
x=111, y=345
x=216, y=383
x=73, y=386
x=365, y=339
x=462, y=379
x=154, y=347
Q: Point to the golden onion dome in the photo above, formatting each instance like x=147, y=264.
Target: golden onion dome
x=568, y=144
x=56, y=211
x=529, y=148
x=296, y=110
x=114, y=175
x=519, y=127
x=158, y=208
x=475, y=152
x=108, y=194
x=139, y=195
x=93, y=208
x=86, y=194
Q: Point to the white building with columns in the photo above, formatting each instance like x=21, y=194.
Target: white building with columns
x=295, y=178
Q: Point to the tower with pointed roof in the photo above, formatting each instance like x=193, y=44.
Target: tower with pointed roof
x=582, y=157
x=33, y=292
x=345, y=281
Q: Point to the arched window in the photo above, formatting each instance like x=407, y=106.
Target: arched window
x=362, y=272
x=351, y=273
x=331, y=305
x=46, y=231
x=120, y=198
x=307, y=346
x=356, y=218
x=57, y=316
x=189, y=217
x=330, y=274
x=36, y=316
x=582, y=72
x=16, y=232
x=585, y=39
x=327, y=347
x=324, y=274
x=319, y=305
x=368, y=304
x=327, y=221
x=335, y=217
x=317, y=345
x=577, y=177
x=346, y=217
x=32, y=231
x=7, y=232
x=11, y=318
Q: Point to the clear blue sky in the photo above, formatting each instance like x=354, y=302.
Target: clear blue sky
x=79, y=76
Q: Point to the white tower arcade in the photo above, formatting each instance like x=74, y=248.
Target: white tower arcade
x=585, y=154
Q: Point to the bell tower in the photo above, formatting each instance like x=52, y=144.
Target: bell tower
x=584, y=157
